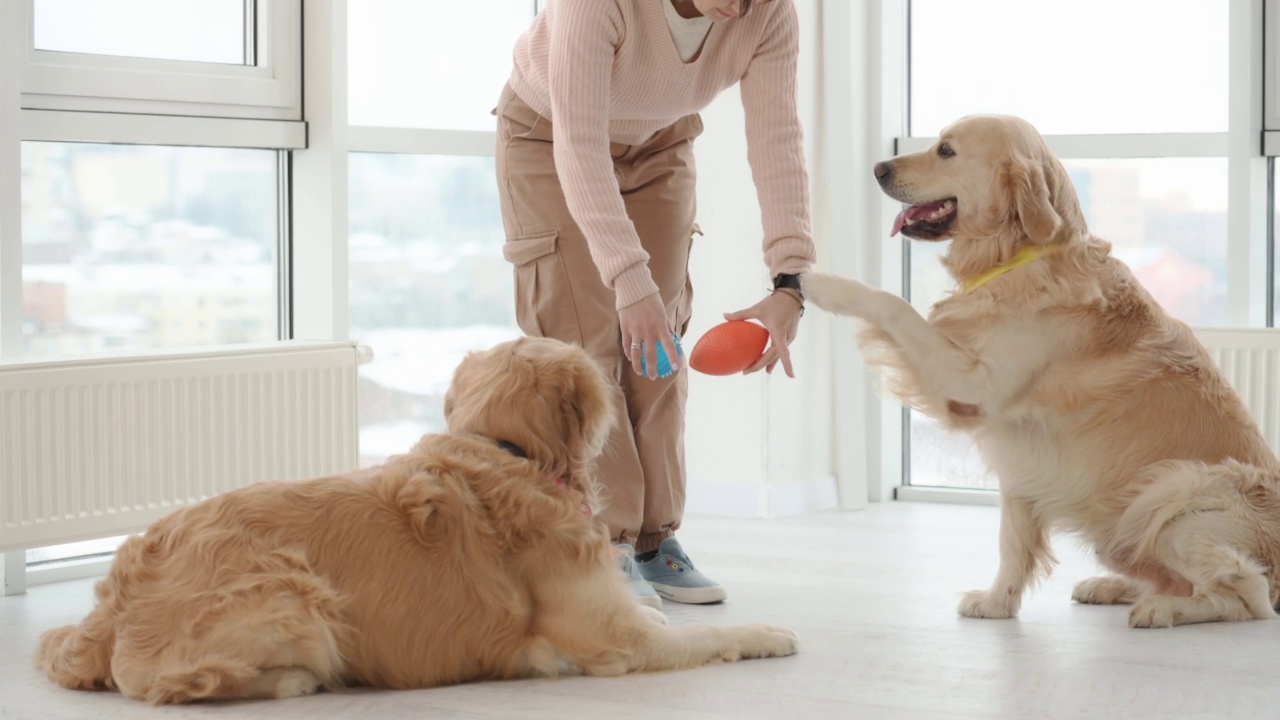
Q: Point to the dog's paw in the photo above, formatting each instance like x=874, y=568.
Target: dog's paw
x=653, y=614
x=1106, y=590
x=988, y=604
x=761, y=641
x=284, y=682
x=1157, y=611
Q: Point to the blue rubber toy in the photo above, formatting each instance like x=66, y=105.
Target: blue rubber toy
x=664, y=365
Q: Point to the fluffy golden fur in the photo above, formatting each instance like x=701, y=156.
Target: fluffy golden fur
x=457, y=561
x=1100, y=414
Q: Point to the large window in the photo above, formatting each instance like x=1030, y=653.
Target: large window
x=427, y=279
x=146, y=205
x=1140, y=120
x=428, y=284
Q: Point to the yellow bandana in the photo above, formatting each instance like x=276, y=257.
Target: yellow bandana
x=1028, y=254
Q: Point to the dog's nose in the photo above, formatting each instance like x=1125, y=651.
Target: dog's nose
x=883, y=171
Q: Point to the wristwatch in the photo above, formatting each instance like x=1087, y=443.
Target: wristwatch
x=785, y=280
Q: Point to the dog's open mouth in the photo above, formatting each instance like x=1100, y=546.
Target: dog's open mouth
x=927, y=221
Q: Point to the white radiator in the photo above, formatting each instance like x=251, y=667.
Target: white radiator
x=1251, y=361
x=102, y=446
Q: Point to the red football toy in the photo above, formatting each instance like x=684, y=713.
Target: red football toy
x=729, y=348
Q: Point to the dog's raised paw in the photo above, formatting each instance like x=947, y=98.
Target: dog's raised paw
x=832, y=292
x=989, y=605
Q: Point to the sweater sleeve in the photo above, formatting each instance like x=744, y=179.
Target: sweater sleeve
x=584, y=37
x=775, y=143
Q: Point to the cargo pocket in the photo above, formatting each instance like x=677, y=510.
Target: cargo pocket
x=544, y=307
x=684, y=306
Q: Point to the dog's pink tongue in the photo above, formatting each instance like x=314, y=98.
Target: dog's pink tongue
x=899, y=221
x=914, y=211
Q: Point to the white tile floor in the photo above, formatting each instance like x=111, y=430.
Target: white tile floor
x=872, y=595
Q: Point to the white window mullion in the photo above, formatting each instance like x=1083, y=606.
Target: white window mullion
x=10, y=181
x=1270, y=77
x=890, y=82
x=319, y=277
x=416, y=141
x=864, y=52
x=13, y=564
x=132, y=129
x=58, y=80
x=251, y=10
x=1247, y=219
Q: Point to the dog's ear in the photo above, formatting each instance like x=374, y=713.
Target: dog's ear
x=1031, y=199
x=586, y=405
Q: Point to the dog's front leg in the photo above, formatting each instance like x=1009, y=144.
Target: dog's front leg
x=1025, y=557
x=952, y=373
x=595, y=623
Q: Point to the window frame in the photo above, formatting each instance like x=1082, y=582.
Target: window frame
x=294, y=102
x=133, y=104
x=1271, y=72
x=320, y=194
x=48, y=96
x=269, y=89
x=321, y=191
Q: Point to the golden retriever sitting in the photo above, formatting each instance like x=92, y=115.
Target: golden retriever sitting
x=473, y=556
x=1100, y=414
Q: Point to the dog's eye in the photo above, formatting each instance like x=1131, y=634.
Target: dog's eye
x=944, y=150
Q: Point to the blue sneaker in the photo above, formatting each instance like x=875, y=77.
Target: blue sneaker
x=644, y=592
x=675, y=578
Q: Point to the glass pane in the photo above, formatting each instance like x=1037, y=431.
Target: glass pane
x=428, y=284
x=434, y=65
x=1165, y=217
x=197, y=30
x=140, y=247
x=1090, y=66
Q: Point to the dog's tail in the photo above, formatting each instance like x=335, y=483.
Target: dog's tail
x=78, y=656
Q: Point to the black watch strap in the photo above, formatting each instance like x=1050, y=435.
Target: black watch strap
x=785, y=280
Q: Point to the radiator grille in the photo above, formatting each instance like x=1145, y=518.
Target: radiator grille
x=94, y=448
x=1251, y=361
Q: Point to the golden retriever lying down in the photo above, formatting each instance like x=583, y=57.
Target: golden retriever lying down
x=1100, y=414
x=457, y=561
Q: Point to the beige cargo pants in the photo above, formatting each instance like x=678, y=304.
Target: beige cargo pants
x=559, y=294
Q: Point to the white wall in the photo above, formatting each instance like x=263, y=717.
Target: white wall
x=758, y=445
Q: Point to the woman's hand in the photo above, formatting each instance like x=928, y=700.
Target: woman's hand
x=644, y=324
x=780, y=314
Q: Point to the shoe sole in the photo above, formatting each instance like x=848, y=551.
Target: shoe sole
x=691, y=596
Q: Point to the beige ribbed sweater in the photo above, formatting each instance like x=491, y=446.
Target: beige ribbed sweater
x=607, y=70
